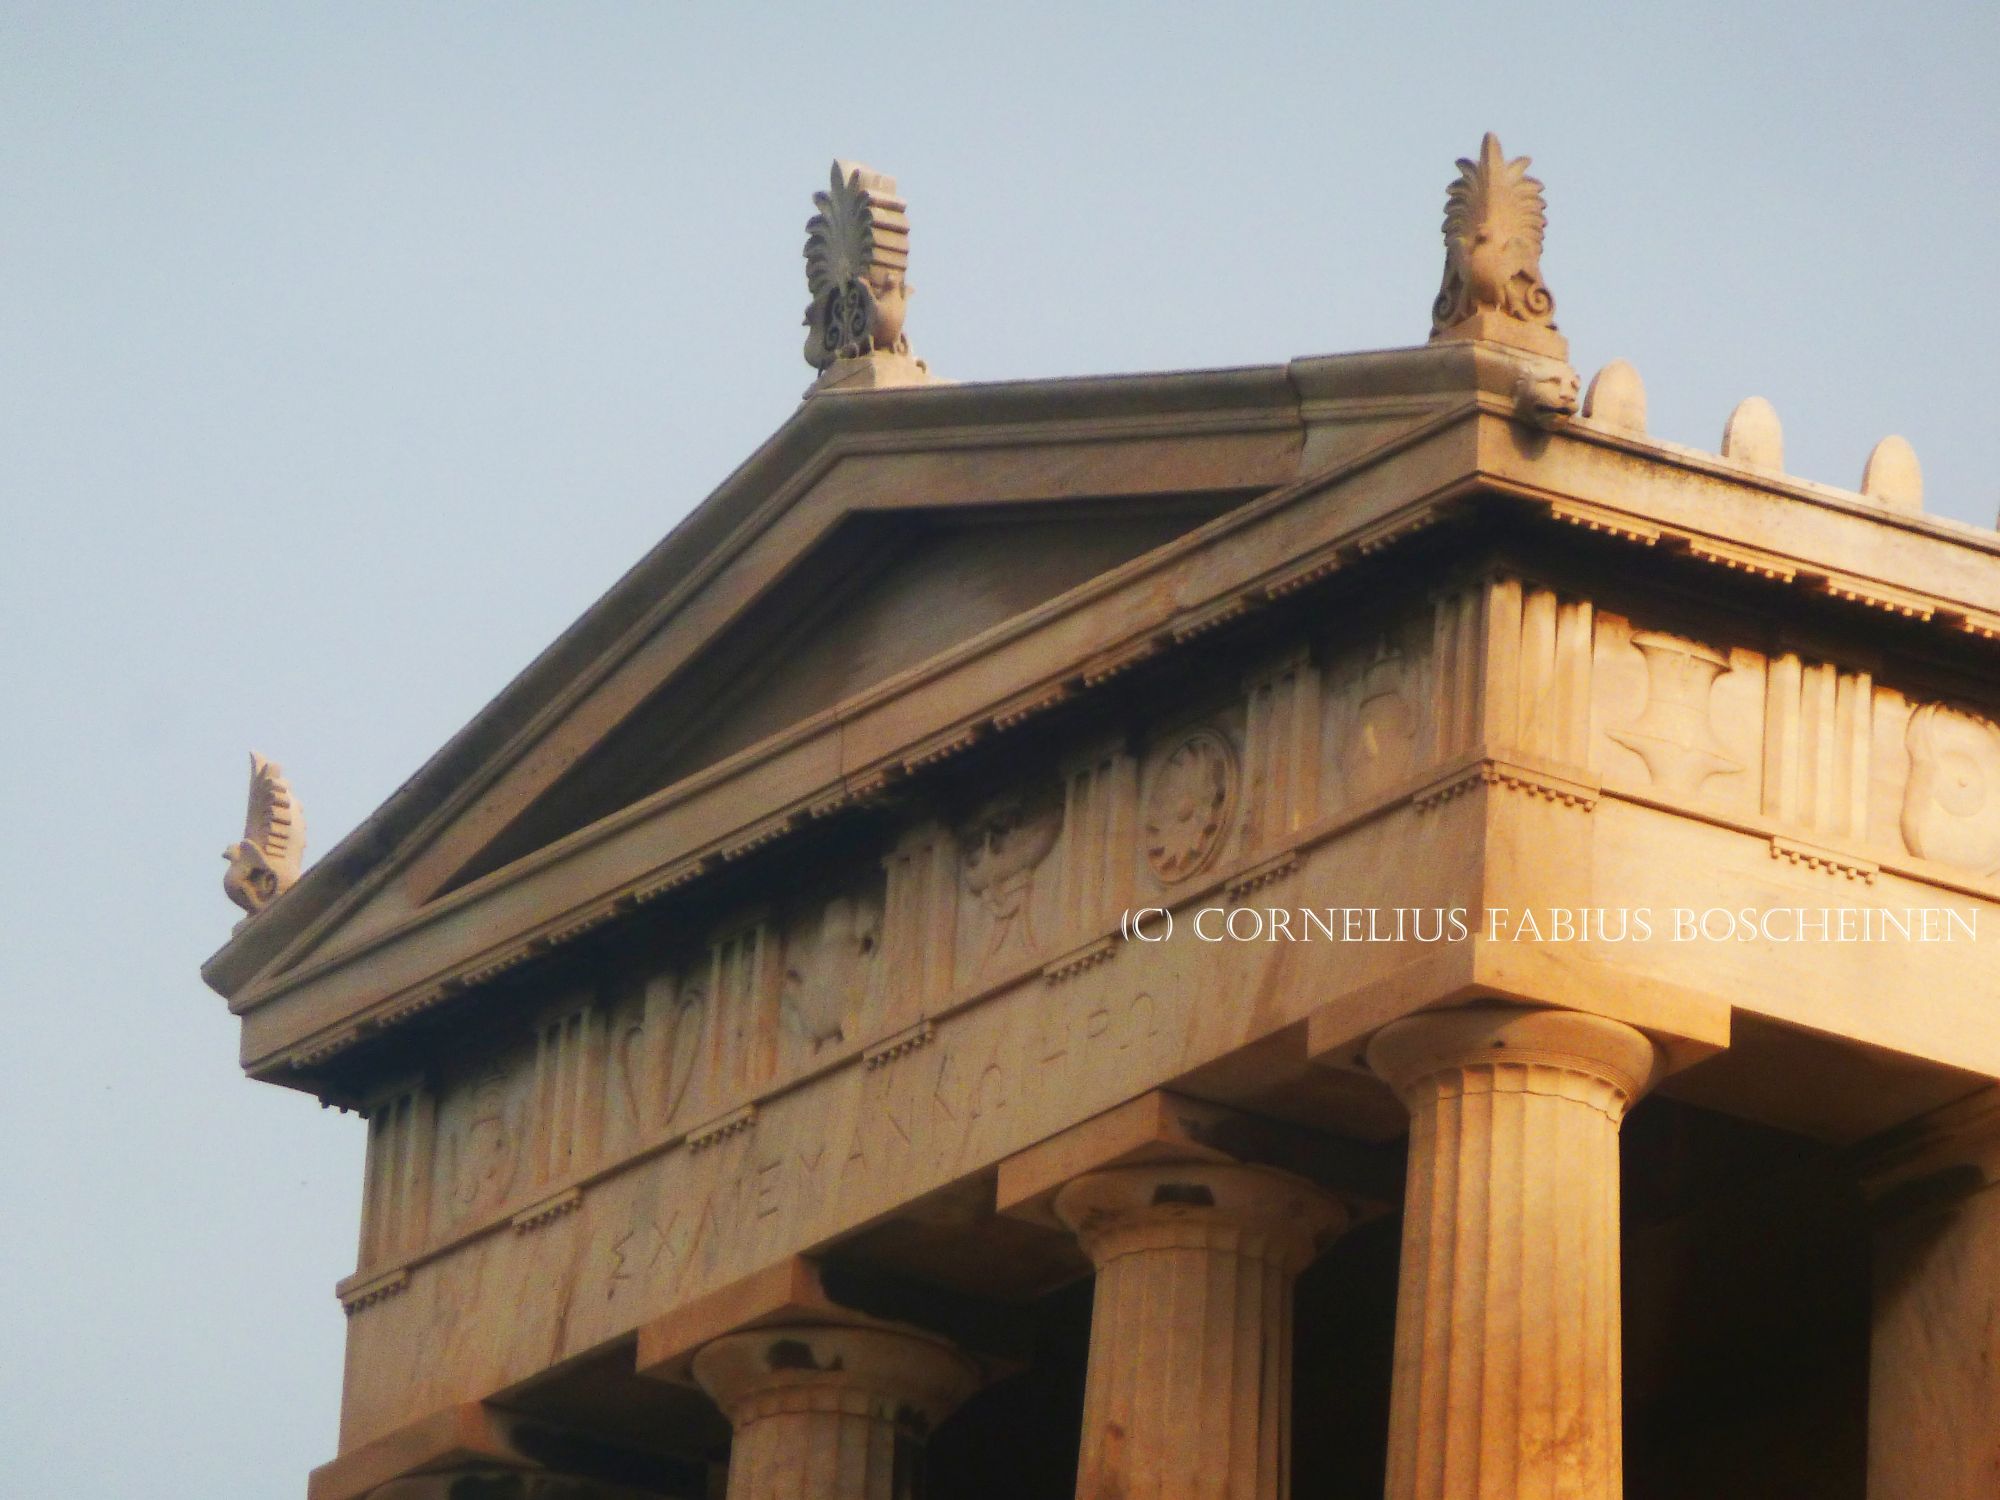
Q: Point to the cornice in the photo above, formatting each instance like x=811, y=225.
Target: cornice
x=1602, y=512
x=799, y=454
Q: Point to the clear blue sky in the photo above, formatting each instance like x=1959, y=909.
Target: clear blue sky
x=347, y=352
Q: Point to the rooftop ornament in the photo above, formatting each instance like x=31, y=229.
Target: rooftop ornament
x=265, y=862
x=857, y=249
x=1493, y=290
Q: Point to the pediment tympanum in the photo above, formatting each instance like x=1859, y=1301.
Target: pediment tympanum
x=865, y=538
x=883, y=594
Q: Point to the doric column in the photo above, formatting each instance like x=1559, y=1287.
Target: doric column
x=1189, y=1389
x=825, y=1412
x=1508, y=1356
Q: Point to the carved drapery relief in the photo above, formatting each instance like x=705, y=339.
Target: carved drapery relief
x=1100, y=819
x=1818, y=733
x=831, y=956
x=395, y=1204
x=1281, y=751
x=1951, y=802
x=1675, y=734
x=1190, y=798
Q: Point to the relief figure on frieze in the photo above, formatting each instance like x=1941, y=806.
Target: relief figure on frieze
x=1189, y=803
x=484, y=1154
x=1376, y=752
x=626, y=1102
x=1001, y=847
x=830, y=960
x=676, y=1017
x=1371, y=719
x=1951, y=803
x=1675, y=734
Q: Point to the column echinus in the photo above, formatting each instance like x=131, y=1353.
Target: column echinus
x=831, y=1412
x=1188, y=1391
x=1508, y=1355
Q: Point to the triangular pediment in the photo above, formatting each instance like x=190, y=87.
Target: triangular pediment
x=884, y=593
x=871, y=535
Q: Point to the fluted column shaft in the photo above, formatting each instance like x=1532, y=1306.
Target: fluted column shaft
x=1508, y=1353
x=1189, y=1388
x=830, y=1412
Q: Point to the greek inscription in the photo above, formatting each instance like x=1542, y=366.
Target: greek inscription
x=989, y=1095
x=940, y=1100
x=766, y=1196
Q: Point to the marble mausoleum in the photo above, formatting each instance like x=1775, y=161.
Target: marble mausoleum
x=1356, y=927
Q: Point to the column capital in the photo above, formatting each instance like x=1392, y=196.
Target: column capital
x=829, y=1367
x=1188, y=1395
x=1501, y=1048
x=1252, y=1211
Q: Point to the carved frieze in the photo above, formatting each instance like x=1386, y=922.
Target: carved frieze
x=1002, y=848
x=627, y=1089
x=1951, y=802
x=1682, y=718
x=1818, y=736
x=1538, y=674
x=568, y=1086
x=1281, y=751
x=1190, y=798
x=831, y=955
x=689, y=1054
x=1456, y=670
x=1674, y=734
x=677, y=1018
x=1378, y=700
x=1095, y=858
x=1382, y=736
x=743, y=991
x=919, y=920
x=482, y=1157
x=395, y=1206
